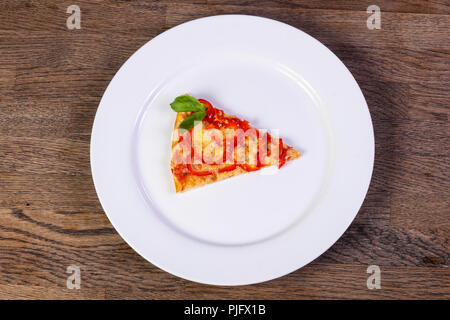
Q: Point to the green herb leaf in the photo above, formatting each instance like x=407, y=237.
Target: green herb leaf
x=186, y=103
x=188, y=123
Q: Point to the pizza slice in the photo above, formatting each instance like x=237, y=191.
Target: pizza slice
x=209, y=145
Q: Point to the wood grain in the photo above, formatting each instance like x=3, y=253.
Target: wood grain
x=52, y=79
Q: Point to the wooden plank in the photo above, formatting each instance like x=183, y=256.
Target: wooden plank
x=118, y=17
x=342, y=281
x=349, y=28
x=411, y=6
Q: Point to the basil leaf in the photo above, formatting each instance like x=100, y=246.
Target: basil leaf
x=186, y=103
x=188, y=123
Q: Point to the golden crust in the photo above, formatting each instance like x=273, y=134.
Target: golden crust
x=192, y=181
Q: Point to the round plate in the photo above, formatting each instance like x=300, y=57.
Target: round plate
x=256, y=226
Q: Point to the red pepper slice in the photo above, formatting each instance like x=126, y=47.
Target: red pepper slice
x=231, y=167
x=247, y=167
x=258, y=160
x=269, y=141
x=206, y=104
x=281, y=154
x=197, y=173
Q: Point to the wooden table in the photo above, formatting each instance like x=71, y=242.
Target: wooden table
x=51, y=82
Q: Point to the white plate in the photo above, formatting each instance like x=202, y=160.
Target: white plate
x=257, y=226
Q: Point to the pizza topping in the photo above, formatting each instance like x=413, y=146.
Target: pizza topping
x=190, y=120
x=213, y=118
x=187, y=103
x=179, y=171
x=227, y=168
x=282, y=154
x=196, y=172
